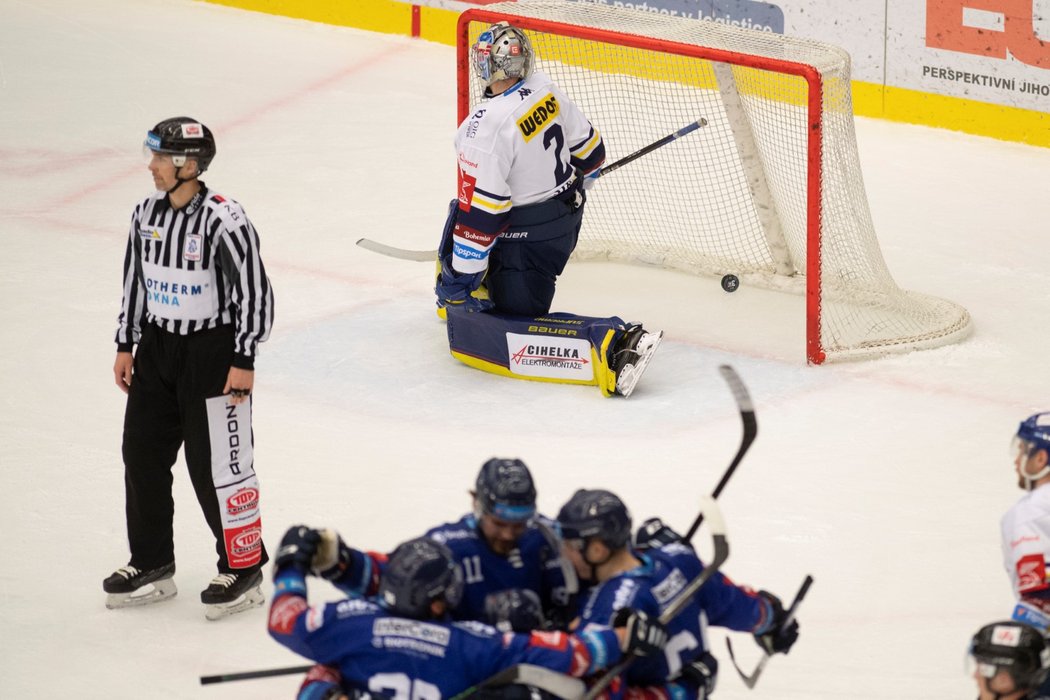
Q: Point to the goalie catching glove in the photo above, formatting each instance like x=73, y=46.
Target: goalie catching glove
x=645, y=636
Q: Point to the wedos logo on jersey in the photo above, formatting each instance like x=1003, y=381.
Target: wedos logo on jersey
x=535, y=121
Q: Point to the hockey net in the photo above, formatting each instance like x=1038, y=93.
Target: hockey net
x=770, y=189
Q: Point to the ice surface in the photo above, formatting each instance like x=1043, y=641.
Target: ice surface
x=885, y=480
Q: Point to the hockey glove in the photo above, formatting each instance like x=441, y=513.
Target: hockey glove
x=774, y=636
x=298, y=547
x=321, y=683
x=455, y=290
x=701, y=674
x=645, y=635
x=653, y=534
x=587, y=180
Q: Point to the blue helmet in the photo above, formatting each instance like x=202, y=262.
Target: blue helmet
x=1033, y=435
x=419, y=572
x=596, y=513
x=504, y=488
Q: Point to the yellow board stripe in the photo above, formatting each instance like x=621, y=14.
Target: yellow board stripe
x=969, y=116
x=869, y=99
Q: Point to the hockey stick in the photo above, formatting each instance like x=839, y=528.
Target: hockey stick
x=399, y=253
x=715, y=521
x=750, y=680
x=557, y=684
x=430, y=255
x=747, y=415
x=645, y=150
x=249, y=675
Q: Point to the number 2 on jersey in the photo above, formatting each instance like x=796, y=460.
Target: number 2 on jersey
x=562, y=171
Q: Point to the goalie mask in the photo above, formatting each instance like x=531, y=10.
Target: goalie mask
x=501, y=52
x=1030, y=450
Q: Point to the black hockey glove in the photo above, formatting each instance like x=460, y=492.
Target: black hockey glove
x=298, y=547
x=653, y=534
x=776, y=637
x=645, y=635
x=701, y=674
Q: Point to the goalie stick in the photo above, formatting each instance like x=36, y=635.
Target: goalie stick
x=430, y=255
x=747, y=416
x=645, y=150
x=750, y=680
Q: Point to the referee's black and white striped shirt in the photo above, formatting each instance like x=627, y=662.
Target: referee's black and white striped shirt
x=195, y=268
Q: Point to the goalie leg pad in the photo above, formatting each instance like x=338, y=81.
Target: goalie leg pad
x=559, y=347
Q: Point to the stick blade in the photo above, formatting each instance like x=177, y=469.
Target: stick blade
x=736, y=385
x=399, y=253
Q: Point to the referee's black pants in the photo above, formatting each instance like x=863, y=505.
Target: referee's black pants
x=173, y=376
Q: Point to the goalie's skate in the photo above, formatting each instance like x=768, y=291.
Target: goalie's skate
x=637, y=348
x=129, y=587
x=228, y=594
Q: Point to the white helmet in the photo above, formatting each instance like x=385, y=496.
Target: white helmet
x=501, y=52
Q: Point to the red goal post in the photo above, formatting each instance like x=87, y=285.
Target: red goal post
x=770, y=189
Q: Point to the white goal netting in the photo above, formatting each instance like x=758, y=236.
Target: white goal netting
x=770, y=189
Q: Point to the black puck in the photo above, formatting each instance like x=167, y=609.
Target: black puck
x=730, y=283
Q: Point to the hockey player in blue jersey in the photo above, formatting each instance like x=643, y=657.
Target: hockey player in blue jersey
x=523, y=154
x=596, y=526
x=503, y=544
x=402, y=646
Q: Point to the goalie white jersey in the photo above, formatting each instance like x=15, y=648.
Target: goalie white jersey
x=1026, y=544
x=517, y=148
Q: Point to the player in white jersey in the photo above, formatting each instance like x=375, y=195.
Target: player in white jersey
x=1026, y=531
x=197, y=302
x=523, y=153
x=1026, y=526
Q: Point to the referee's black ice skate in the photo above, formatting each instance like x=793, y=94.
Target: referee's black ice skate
x=232, y=593
x=130, y=587
x=631, y=356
